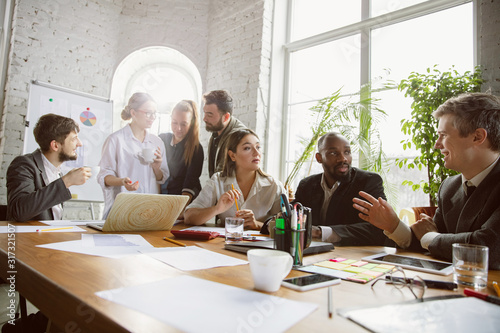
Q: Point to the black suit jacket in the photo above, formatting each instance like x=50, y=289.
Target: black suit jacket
x=29, y=194
x=341, y=215
x=472, y=221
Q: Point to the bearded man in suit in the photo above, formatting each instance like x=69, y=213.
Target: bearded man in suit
x=329, y=195
x=35, y=187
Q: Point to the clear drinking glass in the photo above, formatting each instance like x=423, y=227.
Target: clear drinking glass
x=470, y=265
x=234, y=229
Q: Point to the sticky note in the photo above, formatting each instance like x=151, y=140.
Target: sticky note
x=373, y=273
x=360, y=278
x=338, y=259
x=332, y=265
x=348, y=262
x=386, y=266
x=381, y=269
x=359, y=263
x=352, y=269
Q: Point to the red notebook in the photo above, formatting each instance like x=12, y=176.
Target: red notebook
x=194, y=234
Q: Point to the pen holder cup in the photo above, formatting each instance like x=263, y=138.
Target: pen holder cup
x=292, y=242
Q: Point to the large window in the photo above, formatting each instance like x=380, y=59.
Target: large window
x=344, y=44
x=164, y=73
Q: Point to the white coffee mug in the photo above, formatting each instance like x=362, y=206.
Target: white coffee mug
x=148, y=155
x=269, y=268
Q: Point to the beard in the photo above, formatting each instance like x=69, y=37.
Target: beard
x=341, y=176
x=63, y=157
x=215, y=128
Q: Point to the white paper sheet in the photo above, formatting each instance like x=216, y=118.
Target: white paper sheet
x=126, y=240
x=458, y=315
x=70, y=222
x=37, y=228
x=192, y=258
x=77, y=246
x=195, y=305
x=222, y=231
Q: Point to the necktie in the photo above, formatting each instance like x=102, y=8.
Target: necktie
x=469, y=190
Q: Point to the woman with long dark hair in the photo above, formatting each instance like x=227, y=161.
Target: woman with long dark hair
x=257, y=194
x=184, y=151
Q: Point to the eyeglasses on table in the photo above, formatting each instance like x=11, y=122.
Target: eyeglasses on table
x=398, y=279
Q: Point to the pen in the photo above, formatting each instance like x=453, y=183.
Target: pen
x=483, y=296
x=330, y=303
x=446, y=285
x=51, y=229
x=174, y=241
x=235, y=201
x=497, y=288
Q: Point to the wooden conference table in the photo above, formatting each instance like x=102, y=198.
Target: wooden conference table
x=62, y=284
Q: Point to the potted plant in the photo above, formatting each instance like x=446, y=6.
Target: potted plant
x=428, y=91
x=355, y=117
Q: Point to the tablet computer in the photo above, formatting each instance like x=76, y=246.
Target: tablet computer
x=418, y=264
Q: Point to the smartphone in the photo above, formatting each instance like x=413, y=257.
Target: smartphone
x=309, y=282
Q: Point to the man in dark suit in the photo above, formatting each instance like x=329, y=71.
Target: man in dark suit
x=468, y=205
x=35, y=188
x=329, y=195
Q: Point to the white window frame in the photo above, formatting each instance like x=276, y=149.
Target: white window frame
x=281, y=67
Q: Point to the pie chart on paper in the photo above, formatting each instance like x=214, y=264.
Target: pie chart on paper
x=88, y=118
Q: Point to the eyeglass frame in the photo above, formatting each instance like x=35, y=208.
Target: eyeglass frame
x=149, y=115
x=401, y=282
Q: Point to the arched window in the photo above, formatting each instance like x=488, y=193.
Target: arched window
x=166, y=74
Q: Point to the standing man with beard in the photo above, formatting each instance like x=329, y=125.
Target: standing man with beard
x=35, y=188
x=329, y=195
x=218, y=110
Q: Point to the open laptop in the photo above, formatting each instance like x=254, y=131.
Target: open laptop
x=141, y=211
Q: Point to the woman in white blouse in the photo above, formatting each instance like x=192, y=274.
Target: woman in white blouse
x=122, y=166
x=257, y=194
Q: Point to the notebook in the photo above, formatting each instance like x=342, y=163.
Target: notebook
x=141, y=211
x=315, y=247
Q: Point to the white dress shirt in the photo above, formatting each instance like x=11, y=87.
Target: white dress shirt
x=327, y=233
x=121, y=158
x=263, y=198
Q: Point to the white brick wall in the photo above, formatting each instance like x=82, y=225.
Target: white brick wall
x=61, y=42
x=78, y=44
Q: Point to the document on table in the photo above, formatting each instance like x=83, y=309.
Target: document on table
x=38, y=228
x=125, y=240
x=463, y=314
x=222, y=231
x=69, y=222
x=129, y=246
x=217, y=307
x=192, y=258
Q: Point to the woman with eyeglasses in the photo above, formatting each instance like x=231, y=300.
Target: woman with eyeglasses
x=241, y=180
x=132, y=158
x=184, y=151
